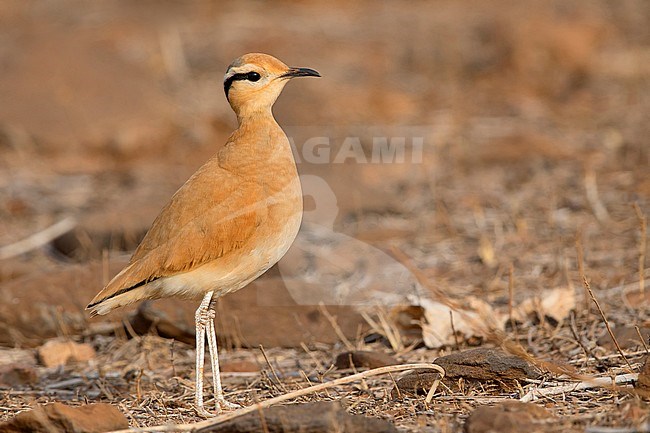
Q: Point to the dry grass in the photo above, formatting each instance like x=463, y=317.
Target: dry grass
x=535, y=177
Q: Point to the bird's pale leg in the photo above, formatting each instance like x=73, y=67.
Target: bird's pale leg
x=220, y=401
x=201, y=325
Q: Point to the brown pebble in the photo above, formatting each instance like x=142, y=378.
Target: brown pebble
x=60, y=418
x=486, y=364
x=321, y=417
x=510, y=417
x=16, y=375
x=61, y=352
x=363, y=359
x=416, y=382
x=148, y=319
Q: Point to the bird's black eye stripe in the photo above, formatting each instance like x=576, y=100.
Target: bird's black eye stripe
x=250, y=76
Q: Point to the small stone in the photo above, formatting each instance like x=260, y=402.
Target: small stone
x=59, y=418
x=413, y=383
x=510, y=417
x=363, y=359
x=486, y=364
x=61, y=352
x=321, y=417
x=147, y=320
x=627, y=338
x=15, y=375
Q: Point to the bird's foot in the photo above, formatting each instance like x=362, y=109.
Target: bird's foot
x=222, y=404
x=202, y=412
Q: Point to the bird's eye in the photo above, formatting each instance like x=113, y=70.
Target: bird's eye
x=253, y=76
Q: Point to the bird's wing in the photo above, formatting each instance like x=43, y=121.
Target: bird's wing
x=214, y=213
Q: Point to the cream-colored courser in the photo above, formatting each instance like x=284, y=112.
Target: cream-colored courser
x=230, y=222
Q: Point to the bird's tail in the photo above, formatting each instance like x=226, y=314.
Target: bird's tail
x=105, y=306
x=123, y=290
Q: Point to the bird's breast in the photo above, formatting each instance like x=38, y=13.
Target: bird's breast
x=283, y=218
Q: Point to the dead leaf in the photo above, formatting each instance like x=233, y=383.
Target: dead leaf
x=555, y=304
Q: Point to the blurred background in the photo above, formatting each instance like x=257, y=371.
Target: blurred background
x=532, y=118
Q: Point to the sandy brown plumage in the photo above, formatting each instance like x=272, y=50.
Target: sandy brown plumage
x=230, y=222
x=240, y=200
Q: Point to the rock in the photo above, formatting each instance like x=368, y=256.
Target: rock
x=147, y=319
x=627, y=338
x=321, y=417
x=60, y=352
x=510, y=417
x=486, y=364
x=364, y=359
x=413, y=383
x=16, y=375
x=59, y=418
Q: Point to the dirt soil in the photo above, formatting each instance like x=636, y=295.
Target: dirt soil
x=534, y=172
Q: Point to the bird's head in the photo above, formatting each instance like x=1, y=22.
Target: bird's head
x=254, y=81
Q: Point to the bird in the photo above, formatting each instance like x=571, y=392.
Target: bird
x=229, y=223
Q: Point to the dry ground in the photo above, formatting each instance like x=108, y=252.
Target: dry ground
x=535, y=122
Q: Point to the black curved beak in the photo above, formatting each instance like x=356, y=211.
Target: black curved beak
x=300, y=72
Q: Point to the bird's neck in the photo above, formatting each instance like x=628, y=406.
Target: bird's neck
x=252, y=115
x=259, y=142
x=258, y=128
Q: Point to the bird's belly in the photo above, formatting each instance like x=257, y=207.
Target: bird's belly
x=237, y=269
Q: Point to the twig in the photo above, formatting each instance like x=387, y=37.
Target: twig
x=335, y=326
x=207, y=425
x=598, y=382
x=314, y=359
x=511, y=300
x=393, y=335
x=606, y=357
x=453, y=329
x=644, y=428
x=37, y=240
x=638, y=332
x=581, y=266
x=275, y=375
x=642, y=245
x=591, y=188
x=602, y=314
x=433, y=389
x=382, y=328
x=588, y=353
